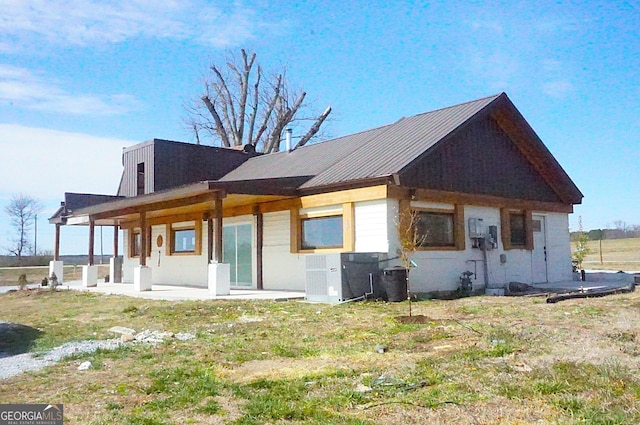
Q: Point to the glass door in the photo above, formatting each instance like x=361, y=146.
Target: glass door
x=237, y=252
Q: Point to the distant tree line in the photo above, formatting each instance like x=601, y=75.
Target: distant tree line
x=620, y=230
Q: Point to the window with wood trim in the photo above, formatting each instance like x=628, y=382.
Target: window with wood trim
x=329, y=230
x=321, y=232
x=135, y=242
x=440, y=229
x=517, y=229
x=518, y=235
x=185, y=238
x=435, y=229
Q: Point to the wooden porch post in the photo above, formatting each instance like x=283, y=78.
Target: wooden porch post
x=92, y=226
x=209, y=239
x=143, y=239
x=218, y=212
x=56, y=246
x=259, y=243
x=115, y=240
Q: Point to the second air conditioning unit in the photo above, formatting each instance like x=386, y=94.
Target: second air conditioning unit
x=339, y=277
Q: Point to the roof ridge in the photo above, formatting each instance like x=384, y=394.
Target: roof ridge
x=495, y=96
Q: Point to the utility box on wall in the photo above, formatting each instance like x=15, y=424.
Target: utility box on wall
x=476, y=228
x=339, y=277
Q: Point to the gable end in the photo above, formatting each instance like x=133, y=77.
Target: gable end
x=480, y=159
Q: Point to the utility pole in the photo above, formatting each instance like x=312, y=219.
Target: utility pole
x=35, y=237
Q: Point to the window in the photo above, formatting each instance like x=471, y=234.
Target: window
x=135, y=242
x=322, y=232
x=518, y=232
x=517, y=229
x=436, y=229
x=184, y=240
x=140, y=179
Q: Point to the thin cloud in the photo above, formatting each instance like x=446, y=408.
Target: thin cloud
x=558, y=89
x=87, y=22
x=25, y=89
x=58, y=161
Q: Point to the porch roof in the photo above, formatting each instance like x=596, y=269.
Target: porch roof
x=191, y=198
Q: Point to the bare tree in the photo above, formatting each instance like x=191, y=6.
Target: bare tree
x=244, y=105
x=22, y=211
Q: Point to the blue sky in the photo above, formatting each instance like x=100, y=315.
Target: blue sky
x=81, y=79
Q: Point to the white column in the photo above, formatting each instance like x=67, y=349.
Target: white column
x=57, y=267
x=142, y=278
x=219, y=279
x=115, y=269
x=89, y=276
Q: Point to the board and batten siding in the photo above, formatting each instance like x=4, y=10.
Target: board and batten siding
x=371, y=226
x=281, y=269
x=131, y=158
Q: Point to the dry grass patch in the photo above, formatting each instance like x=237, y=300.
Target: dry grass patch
x=478, y=360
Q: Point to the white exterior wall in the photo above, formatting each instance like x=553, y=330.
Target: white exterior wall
x=375, y=231
x=128, y=263
x=371, y=226
x=440, y=270
x=284, y=270
x=183, y=269
x=280, y=268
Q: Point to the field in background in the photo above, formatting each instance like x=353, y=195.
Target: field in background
x=617, y=254
x=9, y=275
x=478, y=360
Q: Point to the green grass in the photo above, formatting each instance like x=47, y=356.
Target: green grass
x=259, y=362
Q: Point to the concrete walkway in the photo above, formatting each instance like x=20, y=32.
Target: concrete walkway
x=175, y=293
x=595, y=280
x=181, y=293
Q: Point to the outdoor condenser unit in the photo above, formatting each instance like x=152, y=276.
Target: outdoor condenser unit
x=339, y=277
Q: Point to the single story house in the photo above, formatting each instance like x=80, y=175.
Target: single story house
x=490, y=198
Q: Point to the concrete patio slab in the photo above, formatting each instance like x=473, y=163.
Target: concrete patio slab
x=182, y=293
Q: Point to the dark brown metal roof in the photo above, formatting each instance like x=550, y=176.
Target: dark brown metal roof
x=380, y=152
x=384, y=152
x=390, y=151
x=309, y=160
x=77, y=201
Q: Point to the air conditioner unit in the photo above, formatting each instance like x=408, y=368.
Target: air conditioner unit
x=339, y=277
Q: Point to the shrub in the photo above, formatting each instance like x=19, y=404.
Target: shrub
x=22, y=282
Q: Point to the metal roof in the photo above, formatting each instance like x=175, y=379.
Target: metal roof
x=309, y=160
x=379, y=152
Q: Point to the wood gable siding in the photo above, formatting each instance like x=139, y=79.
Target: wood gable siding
x=479, y=159
x=130, y=160
x=178, y=164
x=171, y=164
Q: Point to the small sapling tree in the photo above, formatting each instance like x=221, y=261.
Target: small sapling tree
x=409, y=238
x=582, y=245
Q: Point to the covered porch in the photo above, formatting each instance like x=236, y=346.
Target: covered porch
x=205, y=204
